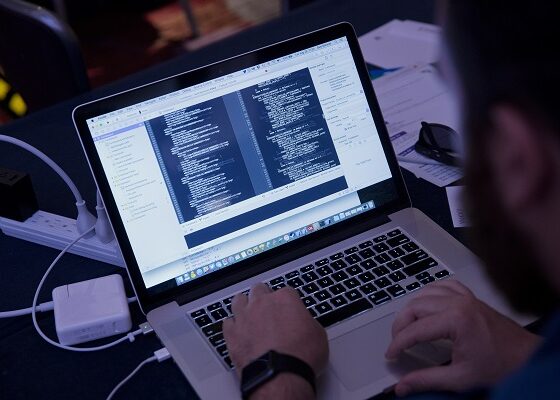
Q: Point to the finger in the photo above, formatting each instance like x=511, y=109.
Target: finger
x=418, y=308
x=436, y=289
x=259, y=290
x=422, y=330
x=287, y=292
x=436, y=378
x=455, y=286
x=227, y=328
x=238, y=303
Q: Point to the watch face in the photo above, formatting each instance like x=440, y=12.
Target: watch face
x=256, y=367
x=268, y=366
x=257, y=372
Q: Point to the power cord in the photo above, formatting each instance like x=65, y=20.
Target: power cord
x=159, y=355
x=85, y=219
x=103, y=229
x=131, y=336
x=47, y=306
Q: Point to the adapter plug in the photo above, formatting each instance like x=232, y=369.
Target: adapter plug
x=90, y=310
x=85, y=220
x=17, y=198
x=103, y=229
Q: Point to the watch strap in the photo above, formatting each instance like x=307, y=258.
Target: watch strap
x=279, y=363
x=287, y=363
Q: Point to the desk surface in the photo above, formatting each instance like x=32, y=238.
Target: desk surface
x=30, y=368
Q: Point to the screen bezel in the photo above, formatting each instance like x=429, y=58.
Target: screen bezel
x=257, y=264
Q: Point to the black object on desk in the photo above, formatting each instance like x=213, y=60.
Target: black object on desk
x=30, y=368
x=17, y=200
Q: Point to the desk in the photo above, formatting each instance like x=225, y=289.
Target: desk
x=31, y=368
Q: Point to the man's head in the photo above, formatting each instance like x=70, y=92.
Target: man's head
x=502, y=61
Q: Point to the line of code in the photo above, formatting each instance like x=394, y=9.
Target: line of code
x=290, y=127
x=202, y=158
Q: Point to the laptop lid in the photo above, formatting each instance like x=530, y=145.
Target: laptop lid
x=217, y=174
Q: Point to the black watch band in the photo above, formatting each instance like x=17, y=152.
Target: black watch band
x=270, y=364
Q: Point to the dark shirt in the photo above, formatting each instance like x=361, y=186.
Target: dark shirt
x=539, y=378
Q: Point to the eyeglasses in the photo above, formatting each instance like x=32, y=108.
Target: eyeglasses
x=439, y=142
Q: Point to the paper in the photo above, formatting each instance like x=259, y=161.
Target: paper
x=401, y=43
x=408, y=97
x=458, y=213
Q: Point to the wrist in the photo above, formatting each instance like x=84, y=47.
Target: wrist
x=284, y=386
x=288, y=376
x=524, y=349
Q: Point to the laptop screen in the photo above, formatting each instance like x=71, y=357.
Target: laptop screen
x=213, y=174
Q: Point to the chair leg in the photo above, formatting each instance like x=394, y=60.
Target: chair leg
x=59, y=7
x=186, y=5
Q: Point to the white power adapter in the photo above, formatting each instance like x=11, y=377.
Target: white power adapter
x=90, y=310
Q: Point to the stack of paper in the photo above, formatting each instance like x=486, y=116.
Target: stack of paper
x=412, y=94
x=408, y=97
x=401, y=43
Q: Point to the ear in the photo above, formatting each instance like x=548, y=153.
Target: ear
x=518, y=157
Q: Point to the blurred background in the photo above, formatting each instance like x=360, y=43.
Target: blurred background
x=119, y=37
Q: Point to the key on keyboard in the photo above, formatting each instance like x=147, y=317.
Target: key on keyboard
x=345, y=312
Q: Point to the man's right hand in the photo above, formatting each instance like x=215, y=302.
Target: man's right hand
x=486, y=345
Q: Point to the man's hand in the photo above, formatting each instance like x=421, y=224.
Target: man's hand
x=486, y=345
x=279, y=321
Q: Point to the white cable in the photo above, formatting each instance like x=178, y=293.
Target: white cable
x=130, y=336
x=48, y=161
x=48, y=306
x=121, y=383
x=84, y=219
x=159, y=355
x=103, y=229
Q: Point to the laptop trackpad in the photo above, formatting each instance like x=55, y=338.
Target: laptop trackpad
x=358, y=357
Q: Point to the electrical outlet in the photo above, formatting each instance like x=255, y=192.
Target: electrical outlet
x=56, y=231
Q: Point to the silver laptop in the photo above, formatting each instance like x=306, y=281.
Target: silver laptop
x=274, y=166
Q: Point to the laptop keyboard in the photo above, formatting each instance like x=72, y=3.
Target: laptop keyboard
x=345, y=284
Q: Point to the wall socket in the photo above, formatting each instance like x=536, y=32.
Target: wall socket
x=57, y=232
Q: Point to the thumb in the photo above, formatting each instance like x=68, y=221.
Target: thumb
x=446, y=378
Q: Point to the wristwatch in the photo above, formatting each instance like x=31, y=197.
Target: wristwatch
x=270, y=364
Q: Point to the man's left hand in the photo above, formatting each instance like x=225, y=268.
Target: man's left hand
x=267, y=320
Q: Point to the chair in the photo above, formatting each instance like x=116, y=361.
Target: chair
x=39, y=55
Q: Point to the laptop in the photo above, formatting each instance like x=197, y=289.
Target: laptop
x=273, y=166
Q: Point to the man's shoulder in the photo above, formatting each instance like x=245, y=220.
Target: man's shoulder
x=539, y=377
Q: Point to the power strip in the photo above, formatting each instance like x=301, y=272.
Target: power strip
x=55, y=231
